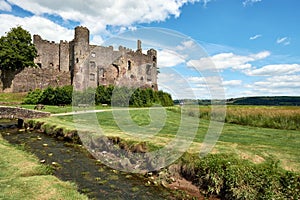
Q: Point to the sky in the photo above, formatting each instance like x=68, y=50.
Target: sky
x=206, y=48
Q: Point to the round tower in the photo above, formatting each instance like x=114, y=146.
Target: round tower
x=81, y=44
x=80, y=53
x=82, y=34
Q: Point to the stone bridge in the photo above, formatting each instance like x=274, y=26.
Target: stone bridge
x=7, y=112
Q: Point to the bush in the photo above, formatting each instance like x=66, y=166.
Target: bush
x=122, y=96
x=50, y=96
x=232, y=178
x=33, y=97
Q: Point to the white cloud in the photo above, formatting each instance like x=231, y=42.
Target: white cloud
x=275, y=85
x=255, y=37
x=97, y=40
x=169, y=58
x=283, y=40
x=232, y=83
x=228, y=60
x=250, y=2
x=186, y=45
x=36, y=25
x=271, y=70
x=4, y=6
x=97, y=14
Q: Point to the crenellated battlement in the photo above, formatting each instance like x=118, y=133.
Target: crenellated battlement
x=93, y=65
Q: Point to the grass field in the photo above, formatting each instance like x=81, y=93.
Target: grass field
x=22, y=177
x=277, y=117
x=12, y=98
x=249, y=142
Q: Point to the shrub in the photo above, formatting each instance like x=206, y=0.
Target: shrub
x=122, y=96
x=232, y=178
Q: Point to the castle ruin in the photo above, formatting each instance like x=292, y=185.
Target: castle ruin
x=83, y=65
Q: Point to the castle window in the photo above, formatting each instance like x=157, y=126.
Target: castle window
x=142, y=78
x=129, y=65
x=92, y=77
x=148, y=70
x=92, y=64
x=154, y=59
x=132, y=76
x=93, y=54
x=77, y=60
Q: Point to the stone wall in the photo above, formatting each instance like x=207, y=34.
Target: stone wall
x=33, y=78
x=15, y=113
x=48, y=53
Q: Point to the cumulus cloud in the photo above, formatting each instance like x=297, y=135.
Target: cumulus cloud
x=272, y=70
x=4, y=6
x=97, y=14
x=255, y=37
x=169, y=58
x=228, y=60
x=275, y=85
x=35, y=24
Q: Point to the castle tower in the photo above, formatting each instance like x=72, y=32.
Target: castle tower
x=79, y=51
x=139, y=46
x=152, y=55
x=81, y=43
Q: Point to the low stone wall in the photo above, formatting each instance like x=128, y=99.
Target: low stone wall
x=33, y=78
x=16, y=113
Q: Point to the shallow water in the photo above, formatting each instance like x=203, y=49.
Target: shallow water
x=76, y=165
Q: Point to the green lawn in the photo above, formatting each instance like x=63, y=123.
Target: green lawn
x=22, y=177
x=252, y=143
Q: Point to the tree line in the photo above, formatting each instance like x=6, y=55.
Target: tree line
x=111, y=95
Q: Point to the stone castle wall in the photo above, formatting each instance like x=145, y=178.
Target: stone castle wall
x=34, y=78
x=84, y=65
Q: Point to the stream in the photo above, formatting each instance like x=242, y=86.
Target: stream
x=73, y=163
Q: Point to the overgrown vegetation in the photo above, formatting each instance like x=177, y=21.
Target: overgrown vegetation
x=119, y=96
x=230, y=177
x=279, y=117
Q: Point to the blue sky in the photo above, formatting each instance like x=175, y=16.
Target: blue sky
x=253, y=44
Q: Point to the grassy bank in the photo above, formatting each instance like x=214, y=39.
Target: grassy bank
x=22, y=177
x=252, y=143
x=246, y=163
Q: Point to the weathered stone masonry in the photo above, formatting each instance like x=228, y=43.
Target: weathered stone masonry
x=84, y=65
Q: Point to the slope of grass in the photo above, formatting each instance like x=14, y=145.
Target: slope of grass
x=21, y=177
x=252, y=143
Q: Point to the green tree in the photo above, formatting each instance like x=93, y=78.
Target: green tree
x=16, y=52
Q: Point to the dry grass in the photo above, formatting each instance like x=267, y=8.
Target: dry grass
x=278, y=117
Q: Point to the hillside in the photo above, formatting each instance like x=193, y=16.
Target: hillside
x=268, y=101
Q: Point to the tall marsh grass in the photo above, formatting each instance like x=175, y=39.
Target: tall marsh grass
x=268, y=117
x=277, y=117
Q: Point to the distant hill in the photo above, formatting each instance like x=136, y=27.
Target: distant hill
x=268, y=101
x=263, y=101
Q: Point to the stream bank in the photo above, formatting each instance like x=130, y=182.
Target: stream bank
x=71, y=162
